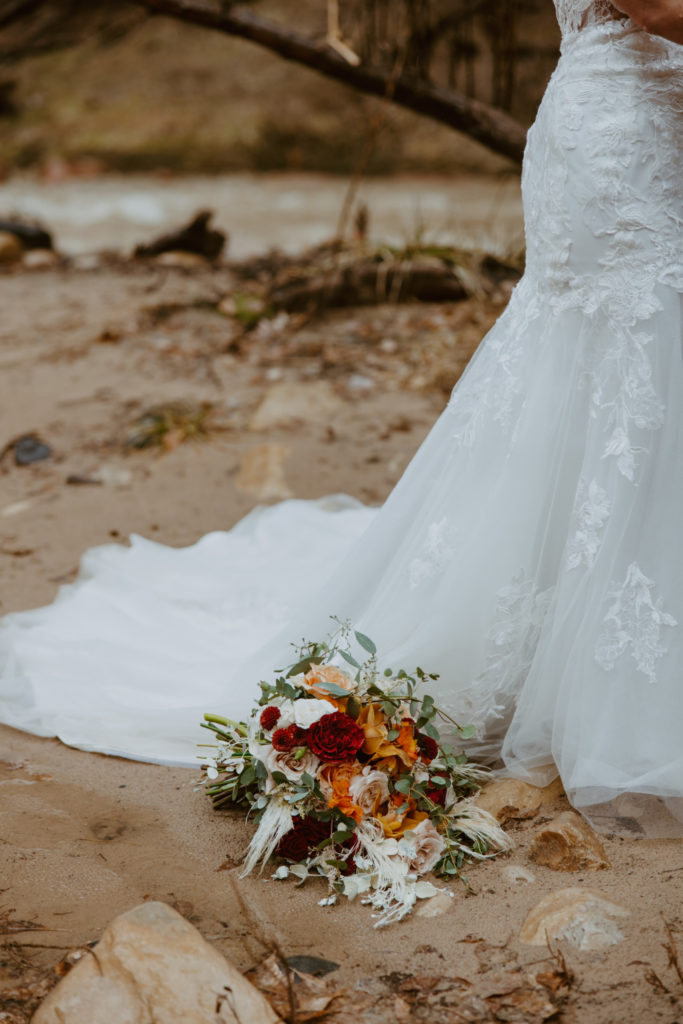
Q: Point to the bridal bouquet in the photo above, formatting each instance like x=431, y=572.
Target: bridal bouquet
x=346, y=776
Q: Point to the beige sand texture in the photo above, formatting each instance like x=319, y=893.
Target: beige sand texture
x=85, y=837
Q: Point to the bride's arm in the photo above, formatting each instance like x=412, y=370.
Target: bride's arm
x=659, y=17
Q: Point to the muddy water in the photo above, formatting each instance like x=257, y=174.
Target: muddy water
x=260, y=211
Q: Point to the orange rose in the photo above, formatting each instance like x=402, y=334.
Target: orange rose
x=327, y=674
x=335, y=781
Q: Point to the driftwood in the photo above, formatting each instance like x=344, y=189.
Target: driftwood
x=31, y=236
x=196, y=237
x=488, y=125
x=367, y=283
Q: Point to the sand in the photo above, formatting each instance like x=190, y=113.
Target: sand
x=84, y=837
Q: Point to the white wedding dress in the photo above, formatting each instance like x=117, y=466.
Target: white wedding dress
x=532, y=551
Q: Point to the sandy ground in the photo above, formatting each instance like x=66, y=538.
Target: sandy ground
x=84, y=837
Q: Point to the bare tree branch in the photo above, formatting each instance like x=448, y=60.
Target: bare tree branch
x=488, y=125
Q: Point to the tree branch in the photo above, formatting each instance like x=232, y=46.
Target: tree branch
x=491, y=127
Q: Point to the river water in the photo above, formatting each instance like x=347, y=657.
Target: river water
x=286, y=211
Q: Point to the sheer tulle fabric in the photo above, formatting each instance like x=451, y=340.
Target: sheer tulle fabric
x=530, y=553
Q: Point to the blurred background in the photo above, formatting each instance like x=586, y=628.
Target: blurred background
x=107, y=95
x=246, y=251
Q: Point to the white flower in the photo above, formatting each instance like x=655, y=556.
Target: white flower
x=302, y=712
x=310, y=710
x=285, y=761
x=369, y=789
x=428, y=846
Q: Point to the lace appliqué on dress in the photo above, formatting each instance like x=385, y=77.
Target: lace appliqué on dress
x=633, y=625
x=591, y=511
x=437, y=550
x=511, y=643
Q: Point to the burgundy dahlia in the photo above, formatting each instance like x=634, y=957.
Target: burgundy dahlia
x=429, y=748
x=335, y=738
x=289, y=738
x=302, y=838
x=269, y=717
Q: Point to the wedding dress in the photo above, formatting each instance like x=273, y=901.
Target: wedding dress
x=531, y=553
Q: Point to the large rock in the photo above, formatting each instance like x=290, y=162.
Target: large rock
x=568, y=843
x=586, y=919
x=152, y=965
x=291, y=401
x=509, y=799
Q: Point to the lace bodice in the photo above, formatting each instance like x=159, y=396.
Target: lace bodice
x=574, y=14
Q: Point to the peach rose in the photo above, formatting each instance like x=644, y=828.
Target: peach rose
x=369, y=789
x=429, y=845
x=286, y=762
x=327, y=674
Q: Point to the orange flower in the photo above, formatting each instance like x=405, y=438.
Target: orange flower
x=394, y=822
x=327, y=674
x=335, y=781
x=406, y=739
x=372, y=721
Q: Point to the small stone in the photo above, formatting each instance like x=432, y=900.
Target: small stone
x=437, y=905
x=510, y=799
x=516, y=873
x=182, y=260
x=359, y=384
x=152, y=964
x=289, y=402
x=11, y=248
x=568, y=843
x=40, y=259
x=583, y=917
x=261, y=472
x=116, y=476
x=30, y=449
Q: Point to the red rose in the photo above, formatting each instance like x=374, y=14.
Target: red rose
x=269, y=717
x=437, y=794
x=302, y=838
x=287, y=739
x=429, y=748
x=335, y=738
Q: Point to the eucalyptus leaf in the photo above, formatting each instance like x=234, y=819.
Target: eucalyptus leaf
x=365, y=642
x=467, y=732
x=350, y=659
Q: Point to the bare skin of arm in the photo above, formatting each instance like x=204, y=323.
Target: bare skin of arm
x=659, y=17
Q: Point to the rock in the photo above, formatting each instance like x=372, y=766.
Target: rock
x=553, y=792
x=30, y=449
x=181, y=260
x=437, y=905
x=11, y=248
x=40, y=259
x=580, y=916
x=29, y=235
x=152, y=964
x=568, y=843
x=510, y=799
x=291, y=401
x=516, y=873
x=261, y=472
